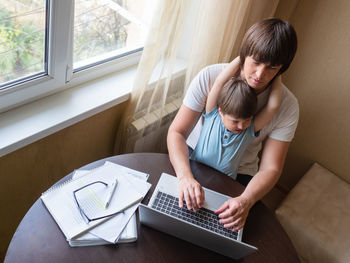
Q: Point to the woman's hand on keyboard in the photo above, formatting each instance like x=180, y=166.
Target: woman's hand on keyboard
x=233, y=213
x=192, y=192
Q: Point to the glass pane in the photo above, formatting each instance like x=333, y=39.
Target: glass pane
x=22, y=39
x=104, y=29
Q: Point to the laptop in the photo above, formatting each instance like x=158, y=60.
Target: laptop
x=200, y=228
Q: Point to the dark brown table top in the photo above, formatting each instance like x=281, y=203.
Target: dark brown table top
x=39, y=239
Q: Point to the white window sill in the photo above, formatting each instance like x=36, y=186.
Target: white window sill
x=31, y=122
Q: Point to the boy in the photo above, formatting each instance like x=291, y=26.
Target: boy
x=229, y=125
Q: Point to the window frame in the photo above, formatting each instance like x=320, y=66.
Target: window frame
x=60, y=74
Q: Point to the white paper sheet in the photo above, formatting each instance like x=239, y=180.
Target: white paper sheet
x=112, y=229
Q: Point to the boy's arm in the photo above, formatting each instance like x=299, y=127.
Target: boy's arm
x=220, y=81
x=266, y=114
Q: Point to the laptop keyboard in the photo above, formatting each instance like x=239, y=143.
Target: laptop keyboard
x=204, y=218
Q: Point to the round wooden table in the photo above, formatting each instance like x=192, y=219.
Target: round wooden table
x=39, y=239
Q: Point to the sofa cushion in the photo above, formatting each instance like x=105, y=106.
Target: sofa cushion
x=316, y=216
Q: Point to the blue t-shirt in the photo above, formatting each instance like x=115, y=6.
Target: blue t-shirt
x=220, y=148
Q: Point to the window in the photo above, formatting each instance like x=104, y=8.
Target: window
x=22, y=40
x=107, y=29
x=49, y=45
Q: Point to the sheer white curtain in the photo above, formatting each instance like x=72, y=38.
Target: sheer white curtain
x=147, y=111
x=163, y=76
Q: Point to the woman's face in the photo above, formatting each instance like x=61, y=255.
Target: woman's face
x=257, y=74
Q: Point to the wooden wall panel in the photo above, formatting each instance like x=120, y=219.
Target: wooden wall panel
x=29, y=171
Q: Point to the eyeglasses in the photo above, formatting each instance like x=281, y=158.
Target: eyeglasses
x=83, y=214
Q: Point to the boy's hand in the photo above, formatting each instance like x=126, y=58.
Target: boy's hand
x=192, y=191
x=266, y=114
x=276, y=91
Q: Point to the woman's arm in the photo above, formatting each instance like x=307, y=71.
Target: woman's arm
x=220, y=81
x=266, y=114
x=233, y=212
x=181, y=127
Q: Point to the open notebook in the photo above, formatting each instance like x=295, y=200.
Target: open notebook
x=112, y=228
x=60, y=202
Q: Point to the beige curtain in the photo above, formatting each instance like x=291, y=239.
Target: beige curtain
x=165, y=71
x=220, y=29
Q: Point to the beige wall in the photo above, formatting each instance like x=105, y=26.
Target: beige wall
x=320, y=79
x=27, y=172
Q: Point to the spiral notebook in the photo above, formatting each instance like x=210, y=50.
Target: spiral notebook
x=121, y=228
x=60, y=202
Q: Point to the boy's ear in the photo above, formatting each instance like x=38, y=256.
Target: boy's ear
x=220, y=111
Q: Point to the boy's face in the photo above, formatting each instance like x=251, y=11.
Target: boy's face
x=233, y=124
x=258, y=75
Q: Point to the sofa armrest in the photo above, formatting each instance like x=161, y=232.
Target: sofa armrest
x=316, y=216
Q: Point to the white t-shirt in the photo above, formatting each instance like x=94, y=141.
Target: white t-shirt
x=282, y=127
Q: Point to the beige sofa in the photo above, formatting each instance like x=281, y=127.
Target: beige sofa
x=316, y=216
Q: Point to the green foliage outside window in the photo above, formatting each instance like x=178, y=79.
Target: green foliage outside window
x=98, y=29
x=21, y=48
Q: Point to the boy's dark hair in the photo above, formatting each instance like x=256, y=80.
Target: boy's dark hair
x=271, y=41
x=238, y=99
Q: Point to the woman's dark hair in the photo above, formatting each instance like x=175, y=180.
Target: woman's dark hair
x=238, y=99
x=271, y=41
